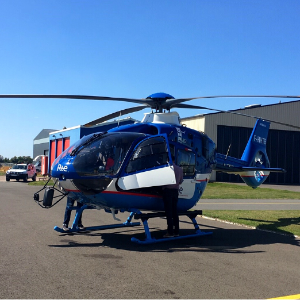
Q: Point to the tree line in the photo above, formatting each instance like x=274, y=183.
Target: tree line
x=16, y=160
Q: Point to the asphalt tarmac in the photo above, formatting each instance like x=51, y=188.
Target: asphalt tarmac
x=38, y=262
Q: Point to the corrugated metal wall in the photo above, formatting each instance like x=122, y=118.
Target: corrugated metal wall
x=197, y=123
x=282, y=112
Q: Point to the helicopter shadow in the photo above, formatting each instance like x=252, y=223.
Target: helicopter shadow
x=278, y=224
x=233, y=241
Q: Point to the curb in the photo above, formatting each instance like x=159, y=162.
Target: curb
x=250, y=227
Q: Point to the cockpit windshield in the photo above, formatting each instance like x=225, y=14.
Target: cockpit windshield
x=105, y=155
x=76, y=147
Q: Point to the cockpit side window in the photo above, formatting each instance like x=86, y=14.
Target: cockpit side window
x=173, y=153
x=187, y=161
x=151, y=153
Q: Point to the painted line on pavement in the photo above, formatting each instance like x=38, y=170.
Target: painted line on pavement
x=287, y=297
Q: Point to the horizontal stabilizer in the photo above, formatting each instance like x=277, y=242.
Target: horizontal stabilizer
x=237, y=170
x=278, y=170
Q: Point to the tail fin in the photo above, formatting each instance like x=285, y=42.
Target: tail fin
x=255, y=155
x=256, y=145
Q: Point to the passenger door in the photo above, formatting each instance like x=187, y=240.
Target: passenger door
x=150, y=164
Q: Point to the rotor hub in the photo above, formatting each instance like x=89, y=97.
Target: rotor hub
x=159, y=99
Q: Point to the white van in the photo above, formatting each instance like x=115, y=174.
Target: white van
x=21, y=171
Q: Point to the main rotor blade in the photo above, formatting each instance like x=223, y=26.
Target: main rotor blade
x=78, y=97
x=115, y=115
x=167, y=104
x=170, y=102
x=151, y=102
x=234, y=113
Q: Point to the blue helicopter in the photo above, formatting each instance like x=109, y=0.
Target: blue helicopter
x=125, y=168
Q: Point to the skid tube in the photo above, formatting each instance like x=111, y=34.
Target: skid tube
x=150, y=240
x=79, y=211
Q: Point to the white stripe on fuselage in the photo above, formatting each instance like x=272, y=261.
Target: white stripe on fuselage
x=186, y=190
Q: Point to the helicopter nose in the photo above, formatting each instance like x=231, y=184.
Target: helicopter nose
x=91, y=186
x=63, y=169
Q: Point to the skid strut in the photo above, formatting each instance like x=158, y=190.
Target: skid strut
x=79, y=211
x=150, y=240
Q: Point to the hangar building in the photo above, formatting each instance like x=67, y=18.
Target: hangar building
x=283, y=144
x=53, y=142
x=41, y=143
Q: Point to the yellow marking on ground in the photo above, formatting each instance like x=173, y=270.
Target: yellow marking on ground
x=287, y=297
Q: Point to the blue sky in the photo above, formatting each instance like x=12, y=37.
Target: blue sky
x=134, y=48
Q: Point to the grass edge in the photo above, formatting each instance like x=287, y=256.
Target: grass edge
x=250, y=227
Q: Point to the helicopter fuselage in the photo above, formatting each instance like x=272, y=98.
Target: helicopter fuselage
x=127, y=167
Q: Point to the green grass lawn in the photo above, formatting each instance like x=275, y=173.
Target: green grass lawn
x=219, y=190
x=283, y=221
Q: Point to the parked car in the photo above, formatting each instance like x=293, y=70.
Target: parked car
x=21, y=171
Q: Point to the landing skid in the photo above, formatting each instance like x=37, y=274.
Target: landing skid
x=150, y=240
x=79, y=211
x=137, y=215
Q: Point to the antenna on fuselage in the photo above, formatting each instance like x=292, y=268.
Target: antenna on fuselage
x=227, y=151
